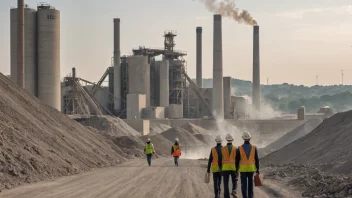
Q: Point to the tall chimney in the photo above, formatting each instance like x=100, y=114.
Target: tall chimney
x=117, y=66
x=199, y=57
x=20, y=43
x=256, y=69
x=218, y=102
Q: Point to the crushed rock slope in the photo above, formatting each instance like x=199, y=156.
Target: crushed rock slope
x=290, y=137
x=113, y=126
x=328, y=145
x=38, y=142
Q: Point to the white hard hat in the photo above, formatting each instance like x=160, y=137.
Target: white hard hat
x=229, y=137
x=177, y=140
x=246, y=135
x=218, y=139
x=148, y=140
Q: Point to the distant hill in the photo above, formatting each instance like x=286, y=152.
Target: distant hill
x=288, y=97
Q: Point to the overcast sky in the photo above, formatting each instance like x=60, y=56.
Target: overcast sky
x=299, y=39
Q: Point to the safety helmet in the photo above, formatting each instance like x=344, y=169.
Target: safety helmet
x=148, y=140
x=229, y=137
x=246, y=135
x=218, y=139
x=177, y=140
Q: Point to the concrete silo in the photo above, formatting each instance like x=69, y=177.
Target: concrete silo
x=139, y=76
x=49, y=56
x=30, y=48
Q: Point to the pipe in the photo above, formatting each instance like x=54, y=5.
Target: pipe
x=117, y=66
x=199, y=57
x=256, y=69
x=218, y=89
x=20, y=43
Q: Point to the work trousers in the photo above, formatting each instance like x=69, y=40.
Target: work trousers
x=176, y=160
x=226, y=175
x=149, y=159
x=247, y=184
x=217, y=184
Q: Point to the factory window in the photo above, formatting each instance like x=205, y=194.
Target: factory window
x=49, y=16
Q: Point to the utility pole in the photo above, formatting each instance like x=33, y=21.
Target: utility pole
x=317, y=79
x=342, y=76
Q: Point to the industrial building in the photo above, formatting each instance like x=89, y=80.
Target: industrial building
x=153, y=84
x=150, y=84
x=41, y=48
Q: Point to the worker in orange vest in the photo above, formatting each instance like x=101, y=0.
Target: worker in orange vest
x=215, y=162
x=229, y=167
x=176, y=151
x=248, y=162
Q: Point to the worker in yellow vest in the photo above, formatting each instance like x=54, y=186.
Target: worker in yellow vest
x=229, y=167
x=149, y=151
x=215, y=161
x=176, y=151
x=248, y=162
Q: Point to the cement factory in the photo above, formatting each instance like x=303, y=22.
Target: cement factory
x=141, y=88
x=73, y=137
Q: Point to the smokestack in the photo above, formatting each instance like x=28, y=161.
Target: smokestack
x=199, y=57
x=20, y=43
x=218, y=102
x=117, y=66
x=73, y=73
x=256, y=69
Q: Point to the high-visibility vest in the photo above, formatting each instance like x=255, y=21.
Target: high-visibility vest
x=228, y=159
x=215, y=163
x=177, y=150
x=247, y=164
x=149, y=148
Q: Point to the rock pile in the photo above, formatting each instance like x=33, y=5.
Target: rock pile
x=312, y=181
x=329, y=144
x=38, y=142
x=290, y=137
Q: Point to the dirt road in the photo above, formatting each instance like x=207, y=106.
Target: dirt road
x=133, y=179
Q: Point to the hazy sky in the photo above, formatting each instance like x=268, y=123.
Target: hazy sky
x=299, y=39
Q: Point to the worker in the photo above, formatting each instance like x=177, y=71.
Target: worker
x=176, y=151
x=215, y=161
x=229, y=167
x=248, y=162
x=149, y=151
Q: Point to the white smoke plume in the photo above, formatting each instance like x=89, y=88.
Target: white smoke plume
x=228, y=8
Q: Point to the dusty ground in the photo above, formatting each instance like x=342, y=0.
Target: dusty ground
x=310, y=180
x=135, y=179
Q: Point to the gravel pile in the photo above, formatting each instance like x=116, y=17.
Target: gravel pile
x=111, y=125
x=311, y=181
x=290, y=137
x=155, y=128
x=185, y=137
x=329, y=143
x=38, y=142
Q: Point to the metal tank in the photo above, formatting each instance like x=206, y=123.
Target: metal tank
x=49, y=56
x=30, y=49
